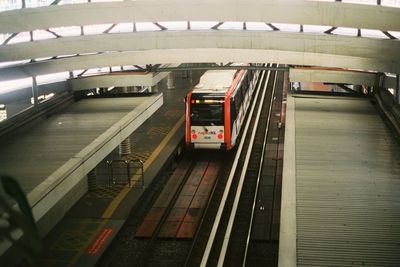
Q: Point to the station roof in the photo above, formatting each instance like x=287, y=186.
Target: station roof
x=67, y=38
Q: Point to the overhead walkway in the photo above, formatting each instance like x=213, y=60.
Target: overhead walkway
x=120, y=79
x=340, y=200
x=51, y=159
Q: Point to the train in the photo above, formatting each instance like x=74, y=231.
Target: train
x=216, y=108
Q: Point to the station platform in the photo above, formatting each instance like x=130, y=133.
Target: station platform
x=340, y=195
x=51, y=159
x=87, y=229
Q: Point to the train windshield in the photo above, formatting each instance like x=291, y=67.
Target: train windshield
x=207, y=114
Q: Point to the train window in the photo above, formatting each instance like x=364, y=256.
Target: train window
x=238, y=101
x=249, y=78
x=207, y=114
x=233, y=109
x=245, y=83
x=244, y=91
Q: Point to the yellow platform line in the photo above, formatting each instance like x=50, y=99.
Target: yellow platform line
x=122, y=194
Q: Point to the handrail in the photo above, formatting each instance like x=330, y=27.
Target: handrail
x=112, y=180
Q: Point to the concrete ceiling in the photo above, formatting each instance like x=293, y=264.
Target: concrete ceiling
x=202, y=46
x=335, y=14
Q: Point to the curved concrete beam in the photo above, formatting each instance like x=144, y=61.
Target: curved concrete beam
x=332, y=76
x=257, y=40
x=204, y=55
x=293, y=11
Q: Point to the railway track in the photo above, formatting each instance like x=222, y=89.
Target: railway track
x=220, y=236
x=263, y=237
x=232, y=241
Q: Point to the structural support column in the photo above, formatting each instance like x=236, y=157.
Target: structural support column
x=398, y=89
x=35, y=92
x=92, y=180
x=186, y=73
x=171, y=80
x=125, y=147
x=379, y=82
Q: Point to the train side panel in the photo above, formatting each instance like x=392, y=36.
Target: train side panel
x=214, y=118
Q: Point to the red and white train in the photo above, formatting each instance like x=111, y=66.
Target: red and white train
x=216, y=107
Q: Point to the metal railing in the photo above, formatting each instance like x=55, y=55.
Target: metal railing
x=114, y=177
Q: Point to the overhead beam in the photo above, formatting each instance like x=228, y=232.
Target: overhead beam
x=140, y=41
x=333, y=14
x=198, y=55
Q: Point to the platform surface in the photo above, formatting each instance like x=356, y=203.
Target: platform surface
x=346, y=185
x=106, y=209
x=32, y=156
x=51, y=159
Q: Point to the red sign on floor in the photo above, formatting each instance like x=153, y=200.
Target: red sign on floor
x=100, y=241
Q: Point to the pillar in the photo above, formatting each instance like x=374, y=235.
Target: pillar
x=398, y=89
x=125, y=147
x=92, y=180
x=35, y=92
x=187, y=74
x=171, y=80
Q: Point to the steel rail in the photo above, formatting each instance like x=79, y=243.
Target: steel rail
x=232, y=216
x=221, y=207
x=196, y=237
x=150, y=246
x=259, y=174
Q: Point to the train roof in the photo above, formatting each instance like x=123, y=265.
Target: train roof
x=215, y=81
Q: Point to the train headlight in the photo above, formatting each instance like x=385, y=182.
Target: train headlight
x=194, y=136
x=220, y=136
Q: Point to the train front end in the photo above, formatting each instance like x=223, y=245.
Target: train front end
x=205, y=122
